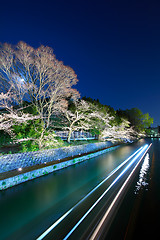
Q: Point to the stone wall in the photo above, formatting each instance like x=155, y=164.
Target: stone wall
x=12, y=181
x=20, y=160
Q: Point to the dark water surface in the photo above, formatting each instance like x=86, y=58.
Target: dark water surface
x=139, y=214
x=29, y=209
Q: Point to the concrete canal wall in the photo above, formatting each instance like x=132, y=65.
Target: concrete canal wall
x=20, y=160
x=12, y=181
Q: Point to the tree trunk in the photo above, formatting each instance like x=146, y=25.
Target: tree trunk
x=99, y=137
x=69, y=135
x=41, y=139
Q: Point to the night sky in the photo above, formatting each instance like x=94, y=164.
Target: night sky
x=113, y=46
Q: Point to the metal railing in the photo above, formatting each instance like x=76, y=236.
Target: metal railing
x=76, y=135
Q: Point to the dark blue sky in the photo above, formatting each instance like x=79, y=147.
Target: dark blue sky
x=113, y=46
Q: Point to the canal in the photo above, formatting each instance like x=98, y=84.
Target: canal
x=69, y=203
x=140, y=209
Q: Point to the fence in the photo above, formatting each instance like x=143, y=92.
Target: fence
x=76, y=135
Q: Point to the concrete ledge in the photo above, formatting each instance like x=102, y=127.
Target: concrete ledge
x=12, y=181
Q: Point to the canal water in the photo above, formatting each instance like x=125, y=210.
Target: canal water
x=139, y=214
x=28, y=209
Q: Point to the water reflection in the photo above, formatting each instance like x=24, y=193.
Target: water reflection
x=142, y=182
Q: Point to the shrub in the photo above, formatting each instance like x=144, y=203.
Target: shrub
x=5, y=138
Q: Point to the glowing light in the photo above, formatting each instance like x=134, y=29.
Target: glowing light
x=95, y=234
x=142, y=176
x=54, y=225
x=20, y=169
x=69, y=211
x=98, y=200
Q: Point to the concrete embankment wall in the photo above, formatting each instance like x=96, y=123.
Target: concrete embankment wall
x=14, y=161
x=20, y=160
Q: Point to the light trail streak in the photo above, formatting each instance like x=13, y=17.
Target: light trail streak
x=143, y=174
x=105, y=192
x=97, y=230
x=70, y=210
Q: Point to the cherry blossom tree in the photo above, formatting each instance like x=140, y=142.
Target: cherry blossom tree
x=122, y=131
x=10, y=114
x=37, y=76
x=85, y=116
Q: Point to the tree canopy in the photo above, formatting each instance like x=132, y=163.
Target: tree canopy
x=37, y=96
x=136, y=118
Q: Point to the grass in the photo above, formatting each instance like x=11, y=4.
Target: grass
x=80, y=142
x=7, y=147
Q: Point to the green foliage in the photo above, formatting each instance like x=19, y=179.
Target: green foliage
x=5, y=138
x=147, y=120
x=30, y=129
x=71, y=106
x=29, y=108
x=95, y=131
x=137, y=119
x=102, y=107
x=28, y=134
x=80, y=142
x=29, y=146
x=52, y=141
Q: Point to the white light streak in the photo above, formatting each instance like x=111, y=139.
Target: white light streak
x=98, y=200
x=70, y=210
x=94, y=235
x=142, y=176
